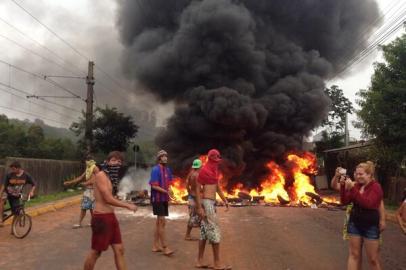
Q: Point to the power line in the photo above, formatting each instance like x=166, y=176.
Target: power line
x=39, y=105
x=36, y=54
x=379, y=42
x=50, y=30
x=33, y=114
x=364, y=34
x=69, y=45
x=41, y=45
x=381, y=37
x=44, y=100
x=43, y=77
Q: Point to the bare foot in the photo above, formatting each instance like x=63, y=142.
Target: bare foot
x=200, y=265
x=155, y=249
x=190, y=238
x=167, y=251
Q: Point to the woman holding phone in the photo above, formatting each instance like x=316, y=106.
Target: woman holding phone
x=364, y=222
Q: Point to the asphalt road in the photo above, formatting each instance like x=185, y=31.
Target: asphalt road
x=257, y=238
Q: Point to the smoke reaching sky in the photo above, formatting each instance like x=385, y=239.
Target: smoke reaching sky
x=247, y=76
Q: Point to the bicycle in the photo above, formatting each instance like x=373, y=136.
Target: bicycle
x=21, y=225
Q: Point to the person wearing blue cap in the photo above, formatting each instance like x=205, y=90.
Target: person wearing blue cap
x=191, y=180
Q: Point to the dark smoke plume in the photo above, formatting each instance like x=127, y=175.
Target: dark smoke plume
x=247, y=75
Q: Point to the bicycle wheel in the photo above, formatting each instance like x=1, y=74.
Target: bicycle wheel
x=21, y=225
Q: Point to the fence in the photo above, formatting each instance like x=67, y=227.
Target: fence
x=48, y=174
x=396, y=187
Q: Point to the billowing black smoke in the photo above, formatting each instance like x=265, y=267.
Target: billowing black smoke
x=247, y=75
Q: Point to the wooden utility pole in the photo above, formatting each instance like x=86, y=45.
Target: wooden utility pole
x=347, y=134
x=89, y=108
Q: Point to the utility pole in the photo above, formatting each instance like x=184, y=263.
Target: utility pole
x=89, y=108
x=347, y=134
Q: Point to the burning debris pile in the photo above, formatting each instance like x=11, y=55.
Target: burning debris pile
x=246, y=77
x=290, y=185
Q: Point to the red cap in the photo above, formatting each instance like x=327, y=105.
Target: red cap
x=214, y=155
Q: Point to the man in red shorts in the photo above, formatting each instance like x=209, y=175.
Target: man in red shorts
x=105, y=227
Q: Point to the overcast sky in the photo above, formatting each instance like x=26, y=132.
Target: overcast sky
x=89, y=26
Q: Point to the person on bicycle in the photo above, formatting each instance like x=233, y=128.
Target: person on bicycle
x=13, y=186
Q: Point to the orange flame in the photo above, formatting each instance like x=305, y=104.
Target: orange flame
x=273, y=185
x=179, y=191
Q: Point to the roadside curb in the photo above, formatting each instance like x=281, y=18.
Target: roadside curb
x=50, y=207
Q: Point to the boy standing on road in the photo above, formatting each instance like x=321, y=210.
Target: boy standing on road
x=161, y=179
x=191, y=182
x=105, y=227
x=205, y=202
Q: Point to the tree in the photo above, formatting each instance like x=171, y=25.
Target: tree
x=340, y=106
x=333, y=136
x=112, y=130
x=383, y=105
x=29, y=141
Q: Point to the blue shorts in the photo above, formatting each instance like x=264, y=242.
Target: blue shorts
x=371, y=232
x=87, y=203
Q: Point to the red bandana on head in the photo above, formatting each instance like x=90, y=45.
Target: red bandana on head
x=209, y=174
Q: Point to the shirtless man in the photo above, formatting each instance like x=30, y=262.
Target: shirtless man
x=205, y=206
x=105, y=227
x=191, y=180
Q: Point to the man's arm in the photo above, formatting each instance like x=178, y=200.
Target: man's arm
x=102, y=186
x=32, y=183
x=199, y=208
x=188, y=183
x=2, y=186
x=400, y=218
x=221, y=194
x=74, y=181
x=158, y=188
x=5, y=184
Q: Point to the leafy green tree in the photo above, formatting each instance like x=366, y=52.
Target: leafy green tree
x=112, y=130
x=383, y=105
x=333, y=136
x=17, y=140
x=12, y=138
x=340, y=106
x=329, y=141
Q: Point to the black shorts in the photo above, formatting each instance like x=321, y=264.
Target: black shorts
x=15, y=204
x=160, y=209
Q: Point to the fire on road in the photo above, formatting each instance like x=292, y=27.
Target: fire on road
x=255, y=238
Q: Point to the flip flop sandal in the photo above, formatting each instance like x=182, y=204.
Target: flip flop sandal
x=202, y=266
x=226, y=267
x=168, y=254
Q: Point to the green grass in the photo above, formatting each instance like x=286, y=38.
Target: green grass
x=391, y=206
x=37, y=200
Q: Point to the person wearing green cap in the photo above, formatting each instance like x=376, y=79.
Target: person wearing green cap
x=191, y=180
